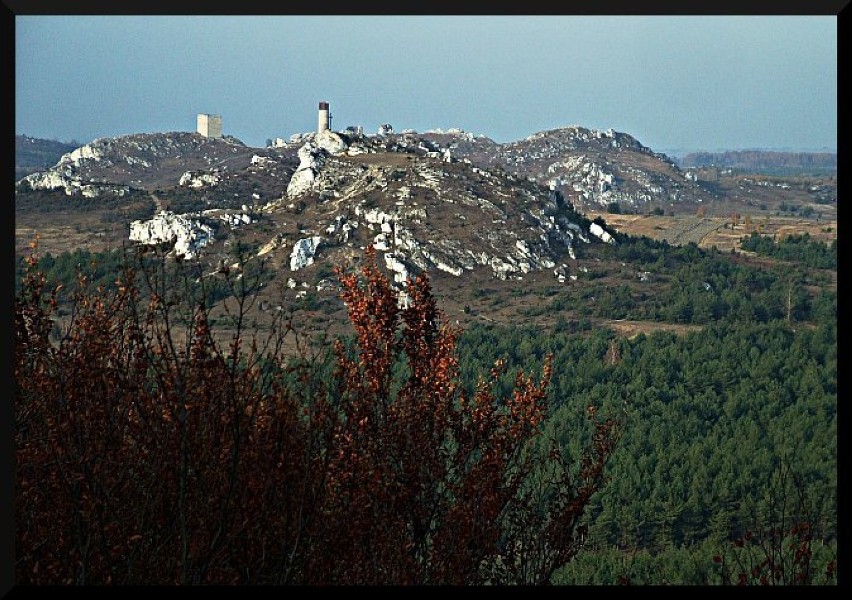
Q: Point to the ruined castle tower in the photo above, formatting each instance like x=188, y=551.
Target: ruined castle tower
x=210, y=126
x=324, y=117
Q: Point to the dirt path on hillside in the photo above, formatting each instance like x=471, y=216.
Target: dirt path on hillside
x=157, y=202
x=239, y=155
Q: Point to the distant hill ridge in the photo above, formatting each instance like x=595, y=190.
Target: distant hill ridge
x=592, y=169
x=752, y=160
x=35, y=154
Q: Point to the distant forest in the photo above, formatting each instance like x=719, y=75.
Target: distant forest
x=764, y=161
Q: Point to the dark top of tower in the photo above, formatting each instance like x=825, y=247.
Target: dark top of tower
x=323, y=105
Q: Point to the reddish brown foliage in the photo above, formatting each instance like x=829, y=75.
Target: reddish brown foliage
x=145, y=460
x=778, y=552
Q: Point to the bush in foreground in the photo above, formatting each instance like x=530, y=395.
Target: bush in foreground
x=148, y=452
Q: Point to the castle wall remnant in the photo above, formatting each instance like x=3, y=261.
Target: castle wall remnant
x=210, y=126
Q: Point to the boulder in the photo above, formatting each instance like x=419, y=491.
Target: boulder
x=303, y=252
x=188, y=235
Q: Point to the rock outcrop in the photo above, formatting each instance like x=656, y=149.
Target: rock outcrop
x=432, y=214
x=196, y=180
x=70, y=183
x=601, y=233
x=592, y=168
x=303, y=252
x=186, y=234
x=312, y=157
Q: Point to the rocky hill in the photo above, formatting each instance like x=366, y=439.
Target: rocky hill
x=475, y=203
x=146, y=161
x=420, y=208
x=591, y=168
x=318, y=201
x=608, y=171
x=492, y=223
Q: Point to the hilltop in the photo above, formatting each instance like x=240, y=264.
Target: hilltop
x=593, y=168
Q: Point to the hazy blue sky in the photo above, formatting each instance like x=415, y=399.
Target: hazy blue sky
x=702, y=82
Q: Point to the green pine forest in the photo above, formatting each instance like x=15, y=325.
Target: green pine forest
x=713, y=417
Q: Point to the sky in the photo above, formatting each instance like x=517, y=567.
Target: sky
x=672, y=82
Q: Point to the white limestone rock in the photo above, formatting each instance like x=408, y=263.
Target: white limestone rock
x=70, y=183
x=93, y=191
x=502, y=269
x=451, y=269
x=601, y=233
x=325, y=284
x=393, y=261
x=403, y=300
x=236, y=220
x=303, y=252
x=84, y=153
x=374, y=216
x=189, y=235
x=330, y=142
x=48, y=180
x=340, y=229
x=311, y=159
x=381, y=242
x=195, y=179
x=132, y=160
x=262, y=161
x=301, y=182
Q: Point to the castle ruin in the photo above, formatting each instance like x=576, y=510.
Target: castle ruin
x=210, y=126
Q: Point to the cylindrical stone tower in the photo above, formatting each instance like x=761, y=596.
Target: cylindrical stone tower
x=323, y=117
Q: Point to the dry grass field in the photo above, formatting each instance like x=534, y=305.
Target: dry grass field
x=59, y=232
x=707, y=232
